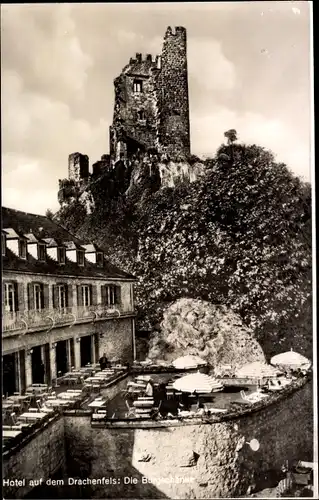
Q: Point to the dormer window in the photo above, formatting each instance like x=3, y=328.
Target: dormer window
x=80, y=257
x=61, y=255
x=41, y=252
x=3, y=244
x=22, y=249
x=137, y=86
x=99, y=258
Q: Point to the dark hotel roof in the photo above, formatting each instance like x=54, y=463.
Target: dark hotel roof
x=41, y=227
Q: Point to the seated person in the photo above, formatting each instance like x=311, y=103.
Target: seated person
x=149, y=390
x=200, y=409
x=104, y=363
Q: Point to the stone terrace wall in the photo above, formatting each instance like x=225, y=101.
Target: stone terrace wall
x=42, y=456
x=214, y=459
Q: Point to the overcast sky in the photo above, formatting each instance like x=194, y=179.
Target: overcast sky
x=249, y=69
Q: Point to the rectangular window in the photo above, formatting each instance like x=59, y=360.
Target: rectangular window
x=86, y=295
x=10, y=304
x=61, y=255
x=138, y=86
x=80, y=258
x=22, y=249
x=38, y=297
x=3, y=244
x=41, y=252
x=110, y=295
x=99, y=258
x=62, y=297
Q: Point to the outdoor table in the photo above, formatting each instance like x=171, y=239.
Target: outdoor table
x=7, y=405
x=23, y=399
x=94, y=379
x=6, y=433
x=36, y=390
x=69, y=395
x=93, y=366
x=97, y=404
x=15, y=405
x=75, y=379
x=58, y=402
x=32, y=416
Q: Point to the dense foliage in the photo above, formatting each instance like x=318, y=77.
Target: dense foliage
x=240, y=237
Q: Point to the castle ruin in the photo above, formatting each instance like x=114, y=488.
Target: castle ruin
x=151, y=110
x=150, y=125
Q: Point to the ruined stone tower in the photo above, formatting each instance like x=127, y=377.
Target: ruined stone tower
x=151, y=110
x=78, y=167
x=173, y=94
x=150, y=131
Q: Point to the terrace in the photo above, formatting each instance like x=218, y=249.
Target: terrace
x=118, y=395
x=92, y=414
x=22, y=414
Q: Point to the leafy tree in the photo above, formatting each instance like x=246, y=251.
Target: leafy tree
x=49, y=214
x=231, y=136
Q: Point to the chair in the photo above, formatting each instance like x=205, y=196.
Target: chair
x=42, y=408
x=13, y=418
x=243, y=395
x=131, y=410
x=88, y=387
x=156, y=409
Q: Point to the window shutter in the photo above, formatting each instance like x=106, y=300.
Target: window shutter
x=21, y=306
x=79, y=293
x=46, y=296
x=42, y=295
x=103, y=294
x=55, y=296
x=117, y=295
x=16, y=296
x=30, y=297
x=93, y=289
x=69, y=295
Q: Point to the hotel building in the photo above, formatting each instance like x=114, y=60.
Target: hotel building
x=63, y=303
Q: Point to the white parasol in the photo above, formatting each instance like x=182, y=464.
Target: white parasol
x=290, y=359
x=196, y=382
x=257, y=369
x=189, y=361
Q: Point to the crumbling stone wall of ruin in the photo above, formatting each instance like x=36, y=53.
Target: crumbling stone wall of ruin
x=134, y=117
